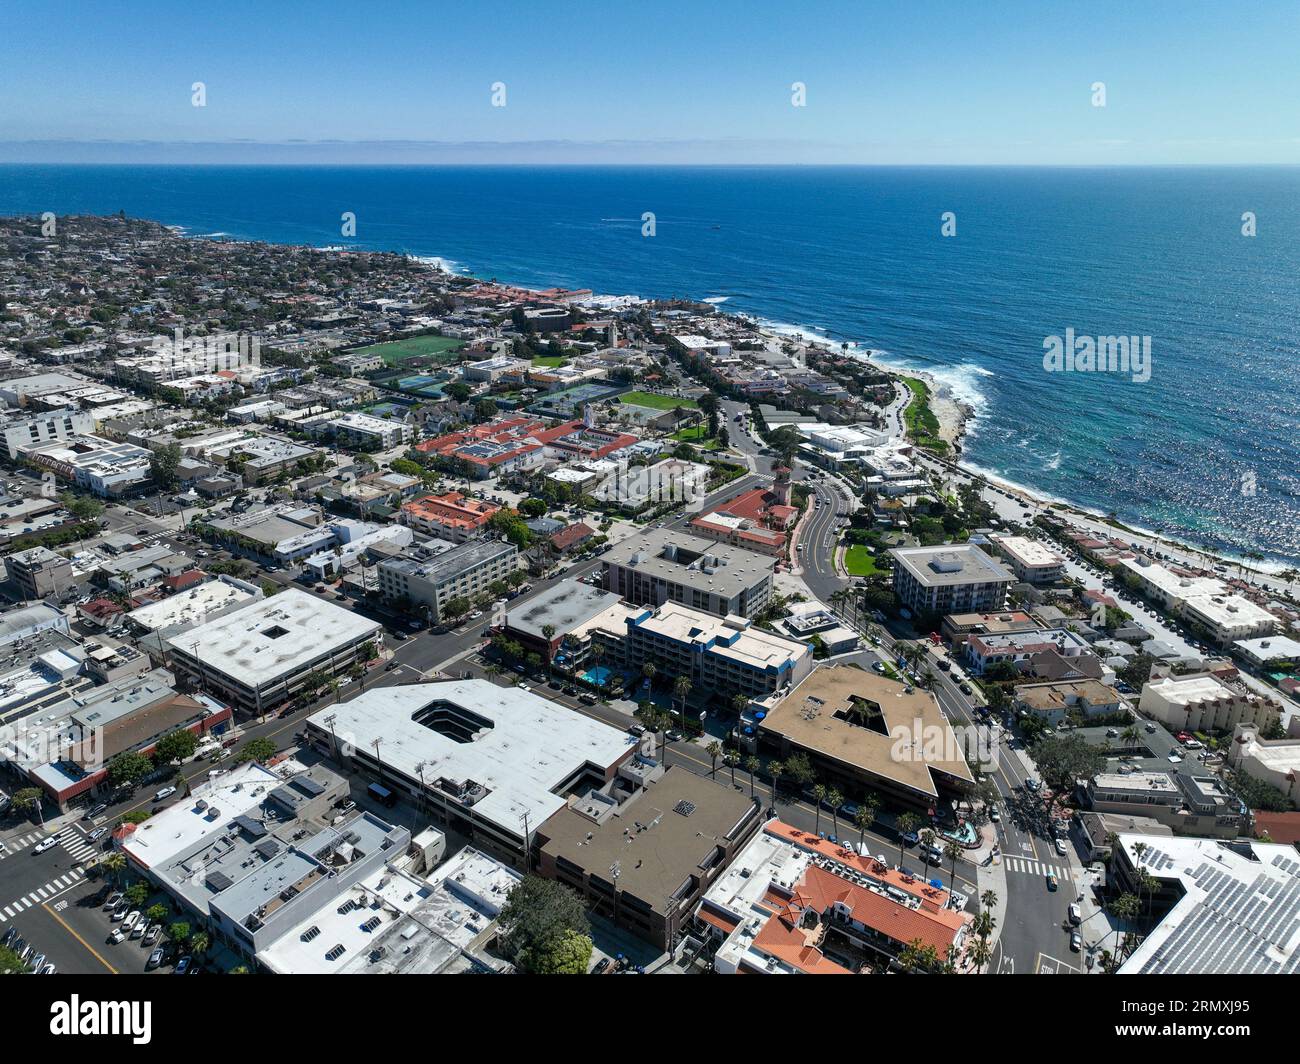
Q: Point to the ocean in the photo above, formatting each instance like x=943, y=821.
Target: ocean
x=1204, y=449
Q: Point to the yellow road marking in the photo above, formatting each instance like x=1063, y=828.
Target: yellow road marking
x=88, y=947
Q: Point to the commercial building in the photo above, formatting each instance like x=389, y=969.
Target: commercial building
x=1272, y=761
x=1224, y=908
x=865, y=732
x=425, y=580
x=440, y=925
x=39, y=572
x=757, y=519
x=793, y=903
x=365, y=431
x=495, y=368
x=643, y=857
x=958, y=627
x=259, y=656
x=507, y=445
x=1200, y=702
x=1054, y=702
x=452, y=516
x=1029, y=560
x=101, y=466
x=193, y=606
x=544, y=620
x=951, y=578
x=23, y=432
x=984, y=651
x=663, y=565
x=720, y=656
x=1205, y=603
x=1189, y=804
x=247, y=857
x=491, y=763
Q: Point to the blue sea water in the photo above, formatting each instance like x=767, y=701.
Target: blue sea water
x=1205, y=449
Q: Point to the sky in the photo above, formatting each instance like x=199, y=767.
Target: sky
x=906, y=82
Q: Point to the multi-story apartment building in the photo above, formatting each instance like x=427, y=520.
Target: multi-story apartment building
x=664, y=565
x=463, y=572
x=949, y=578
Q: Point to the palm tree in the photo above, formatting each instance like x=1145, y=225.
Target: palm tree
x=200, y=943
x=775, y=769
x=1124, y=908
x=863, y=819
x=979, y=954
x=682, y=688
x=819, y=796
x=548, y=630
x=648, y=670
x=740, y=703
x=114, y=864
x=751, y=766
x=836, y=800
x=927, y=843
x=907, y=823
x=731, y=759
x=952, y=850
x=714, y=750
x=870, y=805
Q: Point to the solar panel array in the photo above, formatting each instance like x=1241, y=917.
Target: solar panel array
x=1239, y=928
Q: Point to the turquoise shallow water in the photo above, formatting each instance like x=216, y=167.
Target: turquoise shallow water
x=857, y=253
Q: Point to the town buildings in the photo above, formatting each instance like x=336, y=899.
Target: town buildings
x=644, y=859
x=488, y=762
x=452, y=516
x=951, y=578
x=864, y=732
x=793, y=903
x=1200, y=702
x=663, y=565
x=261, y=656
x=428, y=581
x=1028, y=559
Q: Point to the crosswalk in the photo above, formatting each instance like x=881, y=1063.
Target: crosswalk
x=77, y=844
x=1035, y=867
x=42, y=893
x=72, y=840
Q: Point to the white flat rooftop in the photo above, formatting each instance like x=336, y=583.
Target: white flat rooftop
x=529, y=749
x=190, y=607
x=273, y=636
x=178, y=827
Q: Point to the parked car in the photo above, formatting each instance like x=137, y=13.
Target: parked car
x=1032, y=786
x=1076, y=941
x=152, y=933
x=47, y=969
x=673, y=735
x=911, y=838
x=182, y=965
x=1076, y=914
x=166, y=792
x=994, y=814
x=1059, y=844
x=95, y=810
x=116, y=936
x=113, y=899
x=131, y=919
x=155, y=959
x=601, y=965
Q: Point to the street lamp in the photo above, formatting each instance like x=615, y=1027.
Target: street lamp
x=334, y=740
x=615, y=870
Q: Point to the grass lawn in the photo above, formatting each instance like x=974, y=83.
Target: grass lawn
x=922, y=425
x=395, y=352
x=549, y=361
x=858, y=561
x=657, y=402
x=698, y=436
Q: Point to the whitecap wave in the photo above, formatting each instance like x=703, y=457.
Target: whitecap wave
x=439, y=262
x=715, y=299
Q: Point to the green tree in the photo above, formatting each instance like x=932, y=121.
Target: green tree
x=751, y=766
x=455, y=608
x=114, y=864
x=533, y=507
x=137, y=893
x=162, y=466
x=538, y=923
x=714, y=750
x=259, y=749
x=1063, y=759
x=156, y=914
x=175, y=746
x=28, y=800
x=127, y=768
x=179, y=932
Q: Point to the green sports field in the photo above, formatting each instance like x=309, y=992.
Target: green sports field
x=657, y=402
x=395, y=352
